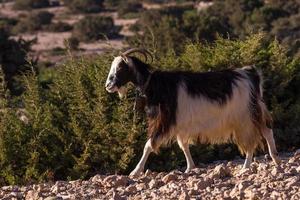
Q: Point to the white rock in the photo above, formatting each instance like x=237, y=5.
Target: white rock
x=202, y=184
x=184, y=196
x=131, y=189
x=220, y=171
x=169, y=177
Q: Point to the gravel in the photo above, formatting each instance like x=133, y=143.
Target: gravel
x=263, y=180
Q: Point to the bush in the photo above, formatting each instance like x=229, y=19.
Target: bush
x=72, y=43
x=129, y=9
x=93, y=28
x=59, y=27
x=86, y=6
x=13, y=58
x=76, y=129
x=30, y=4
x=34, y=22
x=58, y=51
x=109, y=4
x=7, y=24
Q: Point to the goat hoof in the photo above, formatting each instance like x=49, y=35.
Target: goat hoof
x=188, y=170
x=135, y=173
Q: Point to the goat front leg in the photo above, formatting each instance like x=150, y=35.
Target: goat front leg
x=141, y=165
x=184, y=145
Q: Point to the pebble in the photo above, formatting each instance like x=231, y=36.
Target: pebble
x=262, y=180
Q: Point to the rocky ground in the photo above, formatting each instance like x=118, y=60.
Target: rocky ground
x=220, y=180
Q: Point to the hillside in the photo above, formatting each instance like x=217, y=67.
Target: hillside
x=220, y=180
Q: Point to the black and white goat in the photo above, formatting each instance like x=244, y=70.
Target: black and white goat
x=211, y=107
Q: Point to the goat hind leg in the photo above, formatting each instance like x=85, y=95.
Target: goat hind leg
x=268, y=135
x=248, y=160
x=184, y=145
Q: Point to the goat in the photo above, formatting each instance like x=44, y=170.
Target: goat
x=211, y=107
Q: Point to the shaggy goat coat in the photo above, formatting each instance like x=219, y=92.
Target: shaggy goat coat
x=211, y=107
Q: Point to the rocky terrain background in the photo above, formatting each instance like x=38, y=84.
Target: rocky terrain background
x=219, y=180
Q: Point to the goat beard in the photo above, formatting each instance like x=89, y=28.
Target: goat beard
x=122, y=91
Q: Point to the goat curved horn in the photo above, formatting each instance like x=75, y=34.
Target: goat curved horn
x=143, y=51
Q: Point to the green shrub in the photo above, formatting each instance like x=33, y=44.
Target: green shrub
x=72, y=43
x=234, y=19
x=109, y=4
x=13, y=58
x=30, y=4
x=129, y=9
x=86, y=6
x=58, y=51
x=7, y=23
x=93, y=28
x=76, y=129
x=33, y=22
x=59, y=27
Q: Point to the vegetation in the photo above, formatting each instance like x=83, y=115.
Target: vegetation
x=13, y=55
x=72, y=43
x=59, y=27
x=129, y=9
x=111, y=4
x=236, y=19
x=30, y=4
x=93, y=28
x=33, y=22
x=77, y=129
x=85, y=6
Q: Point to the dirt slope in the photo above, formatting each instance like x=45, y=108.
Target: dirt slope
x=221, y=180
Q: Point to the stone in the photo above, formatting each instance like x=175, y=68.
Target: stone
x=131, y=189
x=220, y=171
x=193, y=192
x=297, y=153
x=293, y=171
x=276, y=170
x=202, y=184
x=109, y=180
x=262, y=166
x=32, y=195
x=250, y=194
x=191, y=183
x=17, y=195
x=293, y=181
x=141, y=186
x=155, y=184
x=116, y=196
x=52, y=198
x=169, y=177
x=184, y=196
x=148, y=172
x=97, y=178
x=121, y=181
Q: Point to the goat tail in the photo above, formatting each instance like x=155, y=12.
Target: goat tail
x=260, y=115
x=256, y=79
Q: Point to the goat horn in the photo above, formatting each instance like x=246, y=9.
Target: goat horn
x=143, y=51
